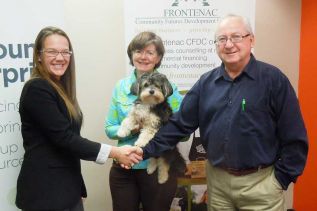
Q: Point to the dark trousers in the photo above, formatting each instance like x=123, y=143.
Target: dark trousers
x=78, y=207
x=130, y=188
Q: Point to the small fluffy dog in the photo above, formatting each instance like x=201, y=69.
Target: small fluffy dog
x=150, y=111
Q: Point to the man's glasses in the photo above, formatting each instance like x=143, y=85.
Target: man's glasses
x=235, y=38
x=54, y=53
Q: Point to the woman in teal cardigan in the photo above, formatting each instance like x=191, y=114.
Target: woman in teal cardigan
x=129, y=188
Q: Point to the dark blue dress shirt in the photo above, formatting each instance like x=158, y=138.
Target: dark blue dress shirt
x=244, y=123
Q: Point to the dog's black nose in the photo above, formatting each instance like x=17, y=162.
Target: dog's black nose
x=151, y=92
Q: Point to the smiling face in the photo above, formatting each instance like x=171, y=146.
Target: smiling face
x=145, y=59
x=56, y=65
x=235, y=56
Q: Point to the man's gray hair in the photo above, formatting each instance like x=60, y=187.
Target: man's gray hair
x=245, y=21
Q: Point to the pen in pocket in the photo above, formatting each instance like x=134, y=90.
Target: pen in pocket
x=243, y=104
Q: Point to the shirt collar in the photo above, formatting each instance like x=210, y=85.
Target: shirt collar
x=249, y=70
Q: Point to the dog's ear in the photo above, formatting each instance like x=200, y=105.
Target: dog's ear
x=167, y=88
x=135, y=88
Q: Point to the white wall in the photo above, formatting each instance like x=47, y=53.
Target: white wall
x=96, y=30
x=97, y=33
x=277, y=31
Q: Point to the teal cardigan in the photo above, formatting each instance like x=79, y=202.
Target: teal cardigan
x=121, y=103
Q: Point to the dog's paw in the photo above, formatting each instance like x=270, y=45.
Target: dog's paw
x=162, y=177
x=122, y=133
x=151, y=168
x=140, y=142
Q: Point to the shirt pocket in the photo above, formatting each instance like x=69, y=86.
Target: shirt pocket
x=253, y=120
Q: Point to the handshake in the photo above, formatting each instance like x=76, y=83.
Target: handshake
x=126, y=155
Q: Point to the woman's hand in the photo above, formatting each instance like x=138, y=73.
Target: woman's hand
x=126, y=155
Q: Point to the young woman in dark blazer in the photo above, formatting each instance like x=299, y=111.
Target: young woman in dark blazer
x=50, y=176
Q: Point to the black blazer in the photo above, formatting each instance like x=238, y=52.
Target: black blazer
x=50, y=176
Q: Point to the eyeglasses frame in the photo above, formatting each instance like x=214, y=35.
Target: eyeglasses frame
x=230, y=38
x=68, y=53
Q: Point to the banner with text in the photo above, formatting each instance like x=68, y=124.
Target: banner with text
x=187, y=29
x=21, y=22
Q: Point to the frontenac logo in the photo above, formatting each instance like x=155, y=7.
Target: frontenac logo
x=204, y=2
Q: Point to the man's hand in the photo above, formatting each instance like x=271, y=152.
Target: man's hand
x=126, y=155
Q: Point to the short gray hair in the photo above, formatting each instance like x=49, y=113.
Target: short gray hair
x=245, y=21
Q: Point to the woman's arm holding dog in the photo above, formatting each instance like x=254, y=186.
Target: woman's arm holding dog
x=112, y=122
x=114, y=117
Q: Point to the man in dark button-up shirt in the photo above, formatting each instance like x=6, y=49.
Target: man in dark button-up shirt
x=250, y=125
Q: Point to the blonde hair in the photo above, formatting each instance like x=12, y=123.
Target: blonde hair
x=66, y=86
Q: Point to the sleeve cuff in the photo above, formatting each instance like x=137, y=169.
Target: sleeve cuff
x=103, y=153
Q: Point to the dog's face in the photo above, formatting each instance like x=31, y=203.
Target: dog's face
x=152, y=88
